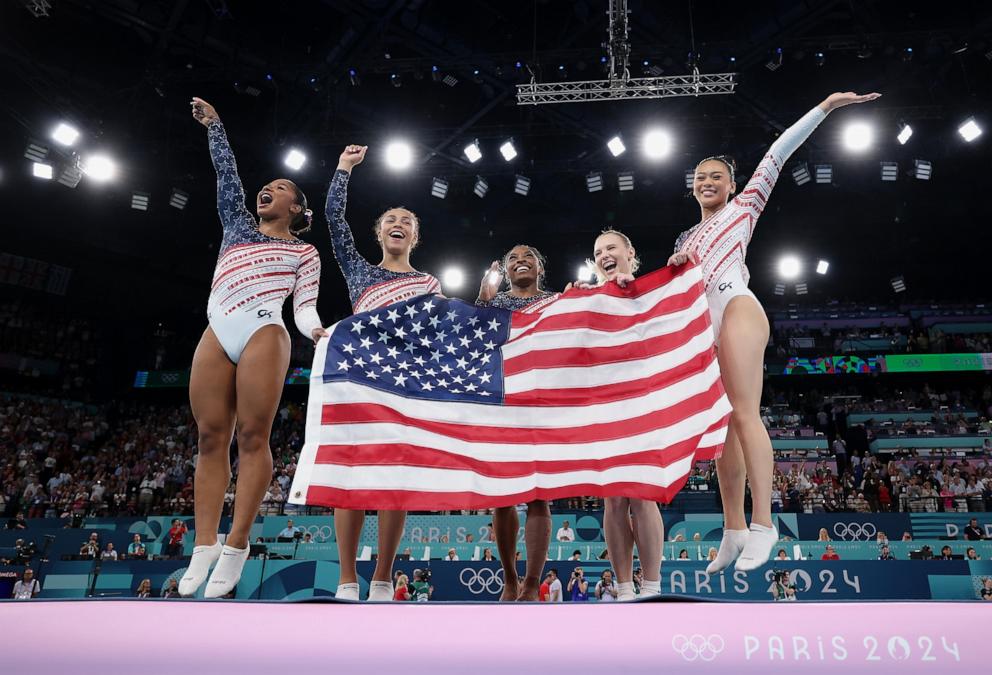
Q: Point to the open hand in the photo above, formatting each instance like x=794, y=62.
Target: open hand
x=203, y=112
x=318, y=333
x=491, y=281
x=842, y=98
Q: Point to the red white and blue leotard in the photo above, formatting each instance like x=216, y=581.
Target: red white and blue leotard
x=720, y=242
x=255, y=273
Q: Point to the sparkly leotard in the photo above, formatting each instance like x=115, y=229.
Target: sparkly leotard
x=255, y=273
x=720, y=242
x=369, y=286
x=505, y=300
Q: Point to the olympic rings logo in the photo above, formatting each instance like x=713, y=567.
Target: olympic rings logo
x=698, y=646
x=481, y=581
x=320, y=533
x=855, y=531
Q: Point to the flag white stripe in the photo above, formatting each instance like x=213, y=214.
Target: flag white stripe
x=567, y=377
x=308, y=454
x=525, y=417
x=589, y=337
x=616, y=306
x=426, y=479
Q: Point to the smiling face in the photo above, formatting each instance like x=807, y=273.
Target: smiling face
x=713, y=184
x=397, y=231
x=612, y=255
x=523, y=266
x=277, y=200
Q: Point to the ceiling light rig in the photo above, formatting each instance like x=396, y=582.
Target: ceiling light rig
x=620, y=85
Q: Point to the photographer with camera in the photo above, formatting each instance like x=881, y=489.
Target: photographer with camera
x=27, y=588
x=606, y=588
x=421, y=590
x=782, y=590
x=578, y=586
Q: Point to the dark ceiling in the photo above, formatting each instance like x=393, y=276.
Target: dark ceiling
x=278, y=73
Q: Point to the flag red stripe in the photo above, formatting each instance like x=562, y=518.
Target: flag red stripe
x=569, y=357
x=364, y=413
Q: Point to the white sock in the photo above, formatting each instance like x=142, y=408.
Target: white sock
x=227, y=573
x=380, y=591
x=199, y=566
x=625, y=591
x=730, y=547
x=347, y=592
x=759, y=547
x=649, y=588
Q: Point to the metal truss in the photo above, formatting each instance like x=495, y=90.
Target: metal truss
x=535, y=93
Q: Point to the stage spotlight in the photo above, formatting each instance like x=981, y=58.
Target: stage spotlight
x=858, y=136
x=44, y=171
x=907, y=54
x=399, y=155
x=898, y=284
x=481, y=187
x=439, y=188
x=819, y=58
x=178, y=199
x=657, y=144
x=824, y=173
x=521, y=185
x=453, y=278
x=594, y=182
x=625, y=181
x=353, y=77
x=616, y=146
x=436, y=74
x=295, y=159
x=970, y=130
x=140, y=200
x=690, y=178
x=802, y=288
x=477, y=76
x=789, y=267
x=775, y=62
x=71, y=174
x=508, y=150
x=396, y=80
x=904, y=133
x=100, y=168
x=36, y=152
x=922, y=169
x=779, y=289
x=890, y=171
x=822, y=267
x=800, y=174
x=473, y=152
x=585, y=272
x=65, y=134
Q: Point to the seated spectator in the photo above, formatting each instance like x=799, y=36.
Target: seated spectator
x=487, y=554
x=565, y=533
x=452, y=555
x=881, y=539
x=972, y=554
x=781, y=555
x=307, y=538
x=885, y=553
x=91, y=547
x=109, y=553
x=972, y=532
x=711, y=554
x=823, y=535
x=830, y=554
x=469, y=539
x=144, y=589
x=906, y=536
x=27, y=588
x=945, y=553
x=287, y=533
x=136, y=549
x=18, y=522
x=986, y=592
x=683, y=555
x=172, y=589
x=576, y=555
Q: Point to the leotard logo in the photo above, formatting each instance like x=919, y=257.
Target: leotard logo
x=725, y=285
x=265, y=314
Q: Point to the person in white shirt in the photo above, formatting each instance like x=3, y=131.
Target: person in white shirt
x=565, y=533
x=28, y=587
x=109, y=553
x=606, y=588
x=554, y=587
x=451, y=555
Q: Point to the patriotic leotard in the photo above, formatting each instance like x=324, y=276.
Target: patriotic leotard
x=720, y=242
x=369, y=286
x=506, y=300
x=255, y=273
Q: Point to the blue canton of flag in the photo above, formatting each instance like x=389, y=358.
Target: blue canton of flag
x=430, y=347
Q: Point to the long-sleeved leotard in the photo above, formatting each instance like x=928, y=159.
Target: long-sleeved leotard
x=720, y=242
x=255, y=273
x=506, y=300
x=369, y=286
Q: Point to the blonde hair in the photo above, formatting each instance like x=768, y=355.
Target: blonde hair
x=635, y=264
x=402, y=581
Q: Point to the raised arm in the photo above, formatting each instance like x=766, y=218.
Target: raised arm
x=755, y=194
x=305, y=296
x=342, y=240
x=230, y=193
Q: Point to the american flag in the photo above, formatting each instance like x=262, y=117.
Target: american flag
x=435, y=404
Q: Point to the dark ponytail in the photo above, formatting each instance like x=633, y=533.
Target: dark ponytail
x=302, y=221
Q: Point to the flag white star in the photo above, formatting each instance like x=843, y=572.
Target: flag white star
x=483, y=393
x=403, y=365
x=371, y=374
x=434, y=322
x=393, y=352
x=348, y=348
x=399, y=332
x=494, y=325
x=343, y=365
x=456, y=328
x=442, y=383
x=387, y=369
x=357, y=327
x=490, y=345
x=450, y=349
x=486, y=357
x=416, y=373
x=445, y=368
x=375, y=358
x=409, y=347
x=428, y=306
x=472, y=371
x=479, y=333
x=374, y=320
x=410, y=311
x=474, y=354
x=436, y=356
x=383, y=337
x=452, y=316
x=470, y=387
x=485, y=377
x=455, y=391
x=440, y=336
x=419, y=360
x=425, y=341
x=464, y=341
x=400, y=379
x=359, y=362
x=461, y=362
x=472, y=320
x=431, y=372
x=417, y=327
x=457, y=379
x=427, y=386
x=366, y=343
x=392, y=315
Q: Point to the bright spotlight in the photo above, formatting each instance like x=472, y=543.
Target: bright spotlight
x=970, y=130
x=453, y=278
x=42, y=170
x=616, y=146
x=904, y=134
x=585, y=273
x=295, y=159
x=65, y=134
x=789, y=267
x=508, y=150
x=399, y=155
x=100, y=168
x=657, y=144
x=473, y=152
x=822, y=267
x=857, y=136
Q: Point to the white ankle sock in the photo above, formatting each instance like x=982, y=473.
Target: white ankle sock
x=199, y=566
x=347, y=592
x=380, y=591
x=730, y=547
x=227, y=573
x=649, y=588
x=760, y=543
x=625, y=591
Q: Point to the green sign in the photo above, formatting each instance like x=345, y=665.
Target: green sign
x=928, y=363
